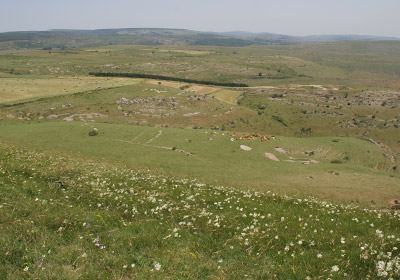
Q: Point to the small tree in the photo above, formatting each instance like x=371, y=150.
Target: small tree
x=259, y=74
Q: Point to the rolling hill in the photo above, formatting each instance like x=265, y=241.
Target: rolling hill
x=66, y=39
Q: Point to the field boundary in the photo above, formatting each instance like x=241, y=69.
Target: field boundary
x=165, y=78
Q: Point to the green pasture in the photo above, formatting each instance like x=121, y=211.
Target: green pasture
x=68, y=216
x=345, y=170
x=338, y=63
x=306, y=96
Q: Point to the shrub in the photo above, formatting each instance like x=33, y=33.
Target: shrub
x=279, y=119
x=93, y=133
x=307, y=130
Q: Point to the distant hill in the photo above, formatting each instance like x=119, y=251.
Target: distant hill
x=334, y=38
x=308, y=39
x=67, y=39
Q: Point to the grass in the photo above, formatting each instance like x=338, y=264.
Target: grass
x=327, y=64
x=26, y=89
x=218, y=159
x=146, y=179
x=172, y=108
x=72, y=218
x=228, y=96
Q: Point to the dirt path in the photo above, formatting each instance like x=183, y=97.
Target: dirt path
x=155, y=137
x=152, y=146
x=388, y=154
x=291, y=87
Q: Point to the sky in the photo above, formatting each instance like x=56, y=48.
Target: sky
x=290, y=17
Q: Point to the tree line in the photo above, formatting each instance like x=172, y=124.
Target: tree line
x=165, y=78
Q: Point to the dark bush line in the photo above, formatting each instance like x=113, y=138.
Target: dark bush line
x=159, y=77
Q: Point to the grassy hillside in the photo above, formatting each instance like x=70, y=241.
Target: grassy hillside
x=294, y=177
x=330, y=150
x=74, y=218
x=325, y=167
x=355, y=64
x=26, y=89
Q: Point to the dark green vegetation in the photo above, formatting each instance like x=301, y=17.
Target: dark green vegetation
x=70, y=218
x=316, y=122
x=164, y=78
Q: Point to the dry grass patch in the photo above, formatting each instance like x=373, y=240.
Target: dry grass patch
x=186, y=51
x=228, y=96
x=24, y=89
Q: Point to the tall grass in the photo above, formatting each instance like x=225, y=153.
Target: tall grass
x=69, y=218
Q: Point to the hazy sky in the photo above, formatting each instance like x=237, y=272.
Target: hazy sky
x=292, y=17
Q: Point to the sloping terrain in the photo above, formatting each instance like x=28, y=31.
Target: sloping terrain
x=74, y=218
x=197, y=131
x=293, y=177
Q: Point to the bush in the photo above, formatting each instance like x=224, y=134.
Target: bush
x=261, y=107
x=93, y=133
x=336, y=161
x=306, y=130
x=279, y=119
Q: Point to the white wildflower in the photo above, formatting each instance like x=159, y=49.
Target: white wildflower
x=157, y=266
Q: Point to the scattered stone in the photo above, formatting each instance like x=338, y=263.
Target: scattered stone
x=82, y=117
x=191, y=114
x=272, y=157
x=253, y=137
x=53, y=116
x=41, y=118
x=10, y=116
x=280, y=150
x=245, y=148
